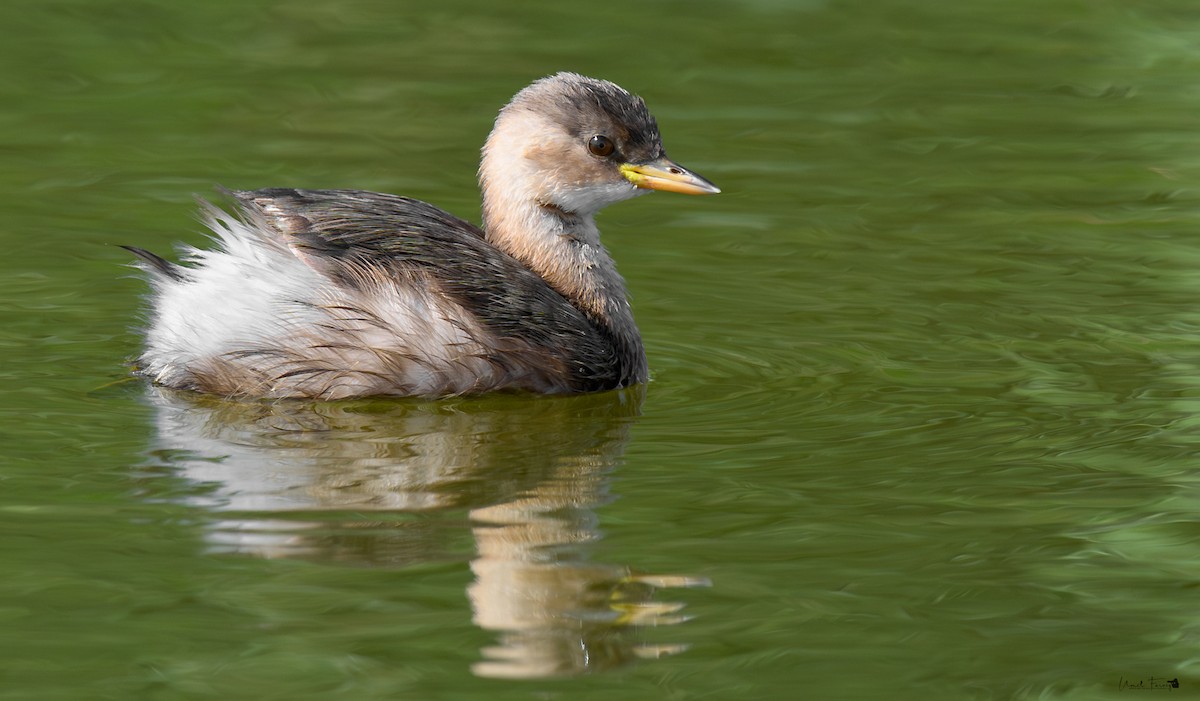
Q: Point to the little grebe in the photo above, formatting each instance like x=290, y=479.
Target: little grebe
x=344, y=293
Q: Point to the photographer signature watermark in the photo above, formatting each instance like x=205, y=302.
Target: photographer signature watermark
x=1149, y=684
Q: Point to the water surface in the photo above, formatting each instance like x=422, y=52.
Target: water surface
x=922, y=417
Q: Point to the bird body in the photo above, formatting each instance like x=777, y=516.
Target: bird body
x=332, y=294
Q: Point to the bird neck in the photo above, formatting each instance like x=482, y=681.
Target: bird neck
x=564, y=249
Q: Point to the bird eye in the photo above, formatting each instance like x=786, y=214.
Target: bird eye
x=601, y=145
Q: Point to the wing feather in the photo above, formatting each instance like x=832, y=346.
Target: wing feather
x=354, y=237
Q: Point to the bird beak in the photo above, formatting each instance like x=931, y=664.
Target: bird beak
x=667, y=175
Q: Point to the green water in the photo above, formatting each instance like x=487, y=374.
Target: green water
x=922, y=423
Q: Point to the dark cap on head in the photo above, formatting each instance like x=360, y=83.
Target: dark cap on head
x=586, y=105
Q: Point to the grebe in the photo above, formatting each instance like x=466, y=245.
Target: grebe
x=331, y=294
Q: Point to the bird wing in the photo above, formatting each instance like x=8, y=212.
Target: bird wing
x=342, y=233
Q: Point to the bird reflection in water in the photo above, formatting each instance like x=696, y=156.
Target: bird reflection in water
x=528, y=474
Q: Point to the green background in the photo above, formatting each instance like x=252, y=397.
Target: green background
x=923, y=416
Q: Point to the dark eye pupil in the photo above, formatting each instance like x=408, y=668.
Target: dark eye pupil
x=600, y=145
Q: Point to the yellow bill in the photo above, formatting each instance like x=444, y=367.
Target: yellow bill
x=668, y=176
